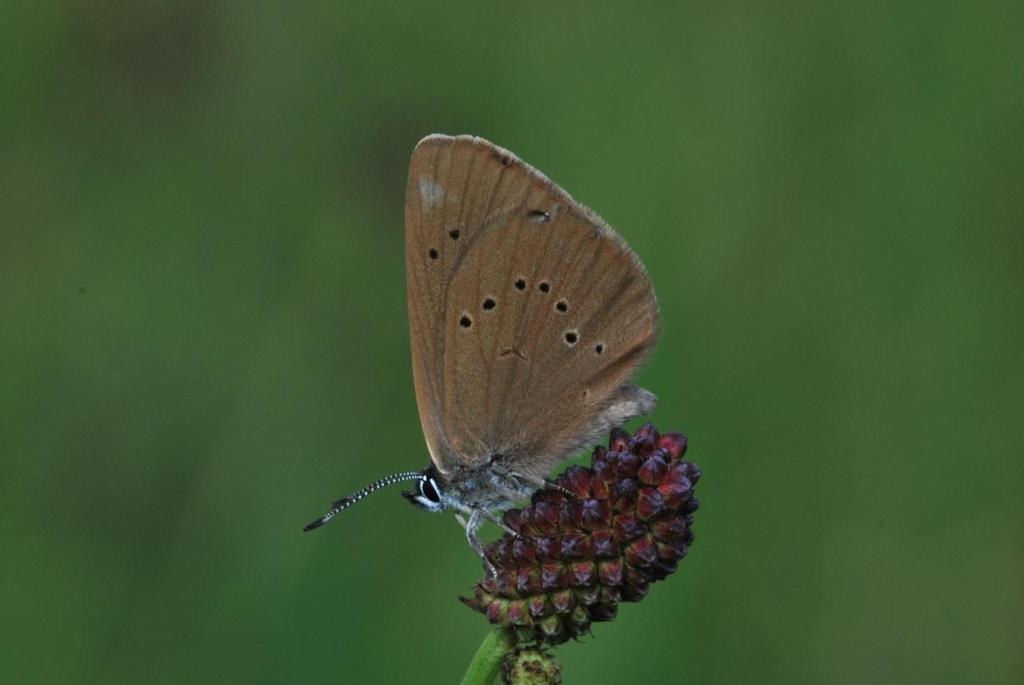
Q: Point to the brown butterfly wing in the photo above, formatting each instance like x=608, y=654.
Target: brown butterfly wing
x=457, y=185
x=524, y=340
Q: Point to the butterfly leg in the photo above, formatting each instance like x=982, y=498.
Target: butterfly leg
x=472, y=526
x=555, y=486
x=548, y=484
x=498, y=521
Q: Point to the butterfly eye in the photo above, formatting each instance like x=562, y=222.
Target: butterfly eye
x=428, y=488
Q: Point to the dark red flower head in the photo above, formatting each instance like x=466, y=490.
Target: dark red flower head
x=626, y=525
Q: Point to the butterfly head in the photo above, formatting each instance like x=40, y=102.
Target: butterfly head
x=428, y=494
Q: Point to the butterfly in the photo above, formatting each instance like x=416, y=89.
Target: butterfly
x=528, y=317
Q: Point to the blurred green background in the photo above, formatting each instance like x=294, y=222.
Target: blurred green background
x=203, y=342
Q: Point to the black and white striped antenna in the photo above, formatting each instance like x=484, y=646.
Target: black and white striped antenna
x=346, y=502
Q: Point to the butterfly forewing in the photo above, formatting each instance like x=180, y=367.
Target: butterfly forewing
x=456, y=186
x=528, y=315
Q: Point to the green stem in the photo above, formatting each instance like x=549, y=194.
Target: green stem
x=487, y=660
